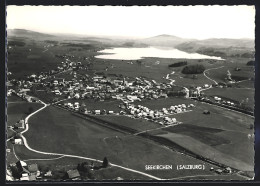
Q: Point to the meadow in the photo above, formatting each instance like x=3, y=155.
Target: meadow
x=62, y=132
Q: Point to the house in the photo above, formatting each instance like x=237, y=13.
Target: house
x=57, y=92
x=55, y=82
x=97, y=112
x=73, y=174
x=227, y=170
x=25, y=177
x=206, y=86
x=18, y=141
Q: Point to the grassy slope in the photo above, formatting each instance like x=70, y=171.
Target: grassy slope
x=19, y=110
x=208, y=152
x=231, y=134
x=64, y=133
x=236, y=94
x=137, y=124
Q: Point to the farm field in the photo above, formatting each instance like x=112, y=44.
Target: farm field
x=24, y=154
x=136, y=124
x=19, y=110
x=164, y=102
x=76, y=136
x=14, y=98
x=245, y=73
x=224, y=136
x=208, y=152
x=211, y=133
x=232, y=94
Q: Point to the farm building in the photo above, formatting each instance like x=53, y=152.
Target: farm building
x=97, y=112
x=73, y=174
x=18, y=141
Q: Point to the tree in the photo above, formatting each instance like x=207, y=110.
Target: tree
x=105, y=162
x=193, y=69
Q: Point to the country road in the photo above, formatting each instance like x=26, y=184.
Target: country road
x=72, y=156
x=209, y=77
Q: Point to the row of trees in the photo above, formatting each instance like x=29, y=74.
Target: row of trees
x=193, y=69
x=178, y=64
x=250, y=63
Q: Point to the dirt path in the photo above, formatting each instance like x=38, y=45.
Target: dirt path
x=209, y=70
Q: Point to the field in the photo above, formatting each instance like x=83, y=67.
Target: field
x=19, y=110
x=62, y=132
x=136, y=124
x=232, y=95
x=228, y=139
x=164, y=102
x=222, y=136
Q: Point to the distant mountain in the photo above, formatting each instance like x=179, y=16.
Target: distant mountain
x=239, y=43
x=164, y=40
x=26, y=33
x=220, y=47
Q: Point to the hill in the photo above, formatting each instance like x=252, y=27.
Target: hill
x=220, y=47
x=26, y=33
x=164, y=40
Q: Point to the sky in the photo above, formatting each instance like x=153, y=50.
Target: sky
x=198, y=22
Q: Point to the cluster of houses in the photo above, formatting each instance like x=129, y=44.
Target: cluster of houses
x=95, y=87
x=159, y=116
x=220, y=100
x=83, y=109
x=22, y=93
x=26, y=172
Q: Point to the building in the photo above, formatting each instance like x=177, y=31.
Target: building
x=97, y=112
x=18, y=141
x=73, y=174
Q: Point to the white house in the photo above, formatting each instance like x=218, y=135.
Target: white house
x=18, y=141
x=97, y=112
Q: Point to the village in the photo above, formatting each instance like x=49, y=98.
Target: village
x=67, y=88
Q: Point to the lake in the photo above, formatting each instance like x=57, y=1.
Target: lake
x=139, y=53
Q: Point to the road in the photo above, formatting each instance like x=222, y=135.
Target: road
x=209, y=77
x=72, y=156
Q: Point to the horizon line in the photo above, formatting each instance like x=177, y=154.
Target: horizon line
x=125, y=36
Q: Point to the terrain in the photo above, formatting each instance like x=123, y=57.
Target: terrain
x=218, y=140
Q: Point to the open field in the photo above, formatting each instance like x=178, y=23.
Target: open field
x=211, y=153
x=136, y=124
x=211, y=133
x=14, y=98
x=24, y=154
x=62, y=132
x=164, y=102
x=234, y=94
x=246, y=72
x=223, y=136
x=19, y=110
